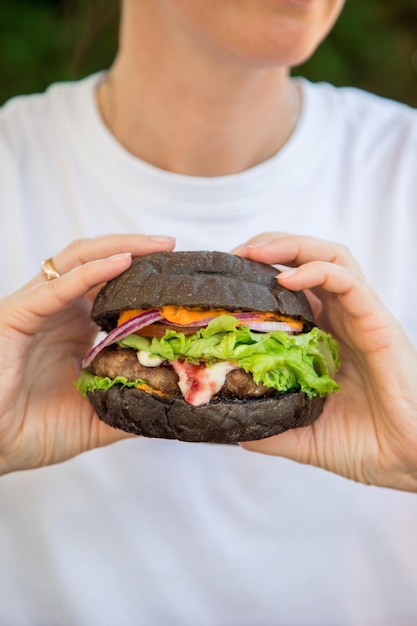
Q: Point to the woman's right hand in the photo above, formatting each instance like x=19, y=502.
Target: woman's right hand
x=368, y=430
x=45, y=330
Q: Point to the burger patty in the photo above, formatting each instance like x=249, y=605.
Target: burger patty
x=114, y=361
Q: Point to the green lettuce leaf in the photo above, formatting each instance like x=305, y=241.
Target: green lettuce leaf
x=306, y=362
x=88, y=382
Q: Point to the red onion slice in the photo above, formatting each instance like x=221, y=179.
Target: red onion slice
x=270, y=327
x=125, y=329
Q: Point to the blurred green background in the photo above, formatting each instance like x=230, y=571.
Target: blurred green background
x=374, y=45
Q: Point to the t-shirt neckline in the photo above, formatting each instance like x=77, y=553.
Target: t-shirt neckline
x=307, y=139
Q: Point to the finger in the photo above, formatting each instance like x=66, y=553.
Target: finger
x=315, y=302
x=358, y=298
x=27, y=310
x=292, y=444
x=89, y=249
x=293, y=250
x=85, y=250
x=263, y=238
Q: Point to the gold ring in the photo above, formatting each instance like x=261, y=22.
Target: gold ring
x=48, y=270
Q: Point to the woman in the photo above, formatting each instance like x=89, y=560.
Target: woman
x=198, y=132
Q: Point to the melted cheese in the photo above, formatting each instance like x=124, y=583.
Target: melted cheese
x=199, y=383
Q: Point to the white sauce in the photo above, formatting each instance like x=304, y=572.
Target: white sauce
x=147, y=359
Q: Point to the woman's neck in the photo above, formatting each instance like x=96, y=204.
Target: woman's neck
x=198, y=116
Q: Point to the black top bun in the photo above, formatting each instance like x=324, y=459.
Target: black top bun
x=198, y=279
x=204, y=280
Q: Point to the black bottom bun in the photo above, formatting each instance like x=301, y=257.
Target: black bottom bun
x=221, y=421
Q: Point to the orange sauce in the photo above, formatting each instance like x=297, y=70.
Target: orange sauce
x=148, y=389
x=180, y=315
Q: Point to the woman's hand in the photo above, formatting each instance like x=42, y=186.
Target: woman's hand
x=368, y=430
x=45, y=330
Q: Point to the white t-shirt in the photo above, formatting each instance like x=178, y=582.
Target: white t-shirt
x=162, y=533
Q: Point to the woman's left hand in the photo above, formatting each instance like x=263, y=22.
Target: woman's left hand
x=368, y=430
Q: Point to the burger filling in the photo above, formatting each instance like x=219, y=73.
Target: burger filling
x=201, y=355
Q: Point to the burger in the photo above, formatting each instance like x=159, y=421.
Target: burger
x=206, y=347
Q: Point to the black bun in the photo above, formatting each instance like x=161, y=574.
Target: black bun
x=198, y=279
x=137, y=412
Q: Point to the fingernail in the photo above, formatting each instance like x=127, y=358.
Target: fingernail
x=119, y=257
x=287, y=273
x=161, y=238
